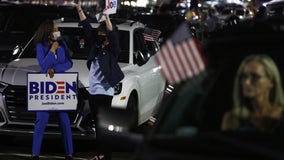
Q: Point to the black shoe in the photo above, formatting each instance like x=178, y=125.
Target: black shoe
x=34, y=158
x=68, y=158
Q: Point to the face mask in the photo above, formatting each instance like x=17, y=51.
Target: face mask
x=56, y=35
x=100, y=39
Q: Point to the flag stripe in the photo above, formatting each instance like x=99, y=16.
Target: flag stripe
x=165, y=65
x=151, y=34
x=181, y=66
x=194, y=61
x=173, y=57
x=171, y=68
x=196, y=53
x=184, y=62
x=189, y=57
x=188, y=63
x=148, y=37
x=165, y=71
x=156, y=33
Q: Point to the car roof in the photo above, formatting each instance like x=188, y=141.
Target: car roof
x=274, y=2
x=125, y=25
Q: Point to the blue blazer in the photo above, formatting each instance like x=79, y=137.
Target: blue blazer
x=46, y=58
x=108, y=61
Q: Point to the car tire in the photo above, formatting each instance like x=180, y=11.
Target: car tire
x=132, y=106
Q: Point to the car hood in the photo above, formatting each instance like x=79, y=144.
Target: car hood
x=16, y=71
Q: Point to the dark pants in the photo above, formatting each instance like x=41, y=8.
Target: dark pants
x=95, y=102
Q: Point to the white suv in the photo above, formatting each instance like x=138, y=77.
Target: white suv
x=141, y=90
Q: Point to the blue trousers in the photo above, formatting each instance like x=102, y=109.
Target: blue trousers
x=40, y=125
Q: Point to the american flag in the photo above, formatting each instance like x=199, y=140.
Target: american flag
x=180, y=57
x=151, y=34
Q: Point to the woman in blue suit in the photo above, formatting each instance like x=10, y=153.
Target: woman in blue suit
x=53, y=57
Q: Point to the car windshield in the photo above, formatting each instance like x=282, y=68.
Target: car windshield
x=3, y=19
x=78, y=46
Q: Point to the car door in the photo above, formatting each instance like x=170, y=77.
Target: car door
x=150, y=81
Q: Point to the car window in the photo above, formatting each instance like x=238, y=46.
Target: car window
x=275, y=10
x=152, y=47
x=78, y=46
x=76, y=42
x=200, y=103
x=29, y=51
x=227, y=12
x=74, y=39
x=23, y=23
x=147, y=48
x=3, y=20
x=139, y=41
x=5, y=12
x=124, y=43
x=240, y=12
x=4, y=56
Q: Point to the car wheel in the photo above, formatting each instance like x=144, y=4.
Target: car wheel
x=132, y=106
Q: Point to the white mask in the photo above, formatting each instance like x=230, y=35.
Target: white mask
x=56, y=35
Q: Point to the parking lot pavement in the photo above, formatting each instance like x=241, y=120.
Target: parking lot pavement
x=20, y=149
x=56, y=156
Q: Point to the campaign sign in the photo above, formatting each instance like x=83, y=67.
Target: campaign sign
x=100, y=17
x=111, y=7
x=51, y=94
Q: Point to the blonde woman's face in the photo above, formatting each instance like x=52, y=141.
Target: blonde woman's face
x=254, y=81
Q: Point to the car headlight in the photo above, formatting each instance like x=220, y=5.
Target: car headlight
x=3, y=86
x=117, y=88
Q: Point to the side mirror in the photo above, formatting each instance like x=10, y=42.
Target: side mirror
x=16, y=52
x=141, y=58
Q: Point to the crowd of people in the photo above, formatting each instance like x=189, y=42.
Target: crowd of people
x=207, y=21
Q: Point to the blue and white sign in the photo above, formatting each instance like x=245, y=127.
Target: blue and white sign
x=50, y=94
x=111, y=6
